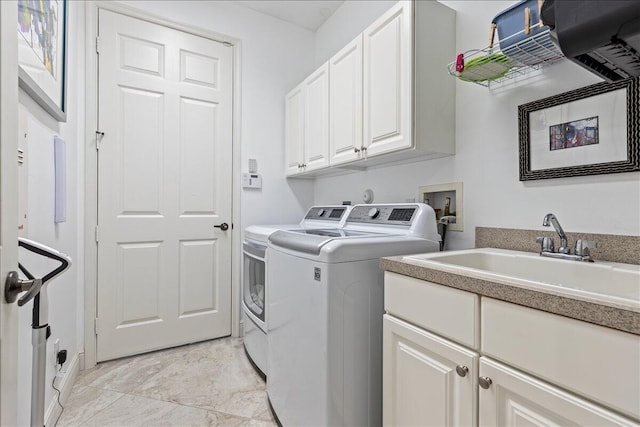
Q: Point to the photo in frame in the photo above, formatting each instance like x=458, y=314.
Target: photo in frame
x=588, y=131
x=42, y=53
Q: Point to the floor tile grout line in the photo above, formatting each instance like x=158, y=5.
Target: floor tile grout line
x=83, y=421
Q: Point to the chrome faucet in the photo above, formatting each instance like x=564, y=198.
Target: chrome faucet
x=550, y=219
x=582, y=249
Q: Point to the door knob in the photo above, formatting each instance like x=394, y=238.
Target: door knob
x=14, y=285
x=224, y=226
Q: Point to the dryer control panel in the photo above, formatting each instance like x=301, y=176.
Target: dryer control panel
x=326, y=213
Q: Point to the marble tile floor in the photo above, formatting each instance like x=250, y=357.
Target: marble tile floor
x=204, y=384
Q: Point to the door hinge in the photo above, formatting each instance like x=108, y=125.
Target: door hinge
x=97, y=235
x=95, y=326
x=99, y=136
x=97, y=44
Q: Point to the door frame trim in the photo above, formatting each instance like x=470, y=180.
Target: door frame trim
x=9, y=107
x=91, y=165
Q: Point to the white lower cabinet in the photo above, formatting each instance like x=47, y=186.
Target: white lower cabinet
x=552, y=370
x=427, y=380
x=513, y=398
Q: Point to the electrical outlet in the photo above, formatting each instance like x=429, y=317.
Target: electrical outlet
x=56, y=349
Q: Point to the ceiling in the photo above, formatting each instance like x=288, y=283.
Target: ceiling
x=309, y=14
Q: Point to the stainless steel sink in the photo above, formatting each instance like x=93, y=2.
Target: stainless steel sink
x=605, y=282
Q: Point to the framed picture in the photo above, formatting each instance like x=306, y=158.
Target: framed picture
x=42, y=53
x=588, y=131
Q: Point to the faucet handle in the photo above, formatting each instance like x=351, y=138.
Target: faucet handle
x=546, y=244
x=583, y=247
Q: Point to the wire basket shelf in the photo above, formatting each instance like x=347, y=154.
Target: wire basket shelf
x=495, y=65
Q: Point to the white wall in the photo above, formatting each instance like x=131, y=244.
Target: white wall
x=345, y=24
x=65, y=293
x=275, y=57
x=486, y=159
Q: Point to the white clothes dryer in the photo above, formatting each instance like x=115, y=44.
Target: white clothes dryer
x=254, y=283
x=326, y=306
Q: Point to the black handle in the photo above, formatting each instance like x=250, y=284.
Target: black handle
x=224, y=226
x=50, y=253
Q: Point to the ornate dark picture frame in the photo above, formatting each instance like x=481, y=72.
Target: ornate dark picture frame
x=527, y=154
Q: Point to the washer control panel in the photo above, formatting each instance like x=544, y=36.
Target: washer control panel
x=401, y=214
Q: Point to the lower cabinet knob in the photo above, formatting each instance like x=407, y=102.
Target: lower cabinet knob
x=485, y=382
x=462, y=370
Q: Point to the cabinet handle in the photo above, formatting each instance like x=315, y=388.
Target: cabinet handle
x=485, y=382
x=363, y=148
x=462, y=370
x=356, y=150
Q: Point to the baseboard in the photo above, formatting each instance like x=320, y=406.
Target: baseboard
x=64, y=384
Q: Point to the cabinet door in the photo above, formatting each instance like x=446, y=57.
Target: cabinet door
x=421, y=385
x=345, y=114
x=388, y=81
x=316, y=133
x=294, y=130
x=516, y=399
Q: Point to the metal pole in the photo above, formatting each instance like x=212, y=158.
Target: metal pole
x=38, y=373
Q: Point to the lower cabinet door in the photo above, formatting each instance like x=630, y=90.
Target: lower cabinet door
x=511, y=398
x=427, y=380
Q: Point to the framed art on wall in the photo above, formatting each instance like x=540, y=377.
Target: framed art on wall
x=42, y=53
x=588, y=131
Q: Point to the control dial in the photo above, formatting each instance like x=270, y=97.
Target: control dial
x=373, y=213
x=321, y=212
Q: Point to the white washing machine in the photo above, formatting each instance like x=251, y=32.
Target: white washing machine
x=254, y=283
x=326, y=305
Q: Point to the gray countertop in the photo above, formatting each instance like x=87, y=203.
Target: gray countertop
x=592, y=312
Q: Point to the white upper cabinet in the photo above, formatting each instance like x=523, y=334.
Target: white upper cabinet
x=390, y=99
x=307, y=124
x=316, y=119
x=387, y=81
x=294, y=130
x=345, y=112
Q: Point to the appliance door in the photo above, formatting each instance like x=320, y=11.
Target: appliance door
x=253, y=280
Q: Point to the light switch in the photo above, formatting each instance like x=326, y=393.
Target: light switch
x=251, y=180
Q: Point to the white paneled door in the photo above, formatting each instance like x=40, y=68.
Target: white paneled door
x=164, y=187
